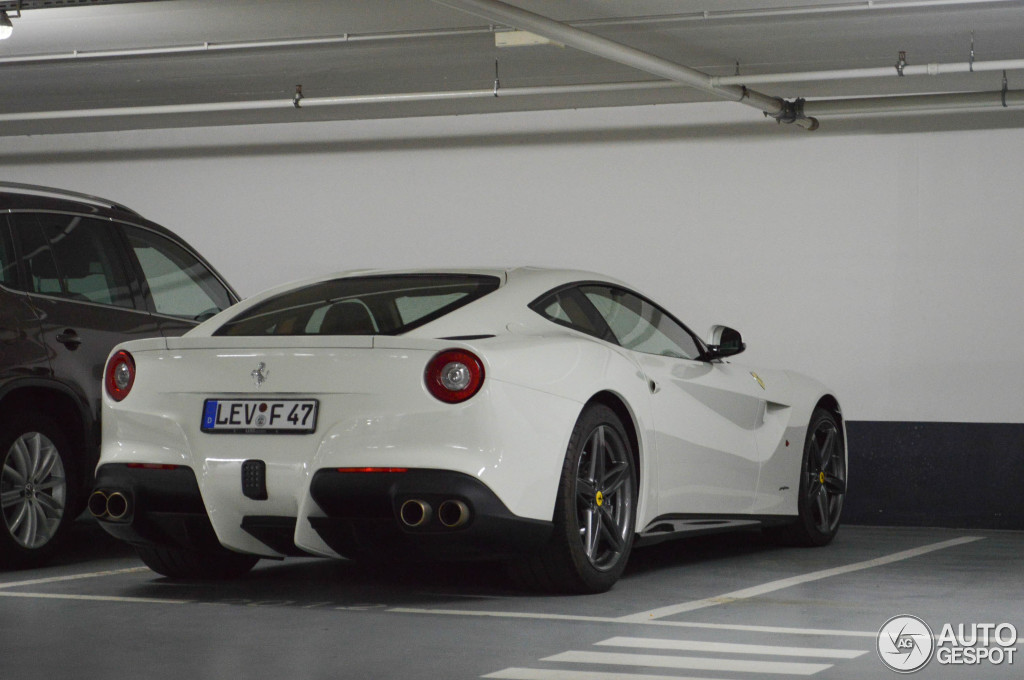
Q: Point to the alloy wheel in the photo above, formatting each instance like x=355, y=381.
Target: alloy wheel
x=33, y=490
x=826, y=476
x=604, y=497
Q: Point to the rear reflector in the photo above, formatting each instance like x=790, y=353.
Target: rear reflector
x=372, y=469
x=152, y=466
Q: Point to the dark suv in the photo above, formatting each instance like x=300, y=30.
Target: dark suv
x=78, y=274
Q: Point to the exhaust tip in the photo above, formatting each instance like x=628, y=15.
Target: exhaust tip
x=414, y=513
x=453, y=514
x=98, y=504
x=117, y=505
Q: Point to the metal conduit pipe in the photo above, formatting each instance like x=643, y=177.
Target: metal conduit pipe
x=874, y=72
x=826, y=107
x=654, y=19
x=349, y=100
x=915, y=103
x=609, y=49
x=83, y=55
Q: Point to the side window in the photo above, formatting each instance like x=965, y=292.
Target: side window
x=414, y=307
x=72, y=256
x=567, y=307
x=181, y=285
x=8, y=265
x=640, y=326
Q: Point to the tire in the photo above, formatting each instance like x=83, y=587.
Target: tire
x=196, y=565
x=595, y=511
x=822, y=485
x=39, y=488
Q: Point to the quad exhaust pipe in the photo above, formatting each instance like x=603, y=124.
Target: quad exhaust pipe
x=113, y=505
x=453, y=514
x=417, y=514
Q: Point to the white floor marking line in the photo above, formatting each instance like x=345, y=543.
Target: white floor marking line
x=97, y=598
x=504, y=615
x=794, y=581
x=731, y=648
x=654, y=622
x=73, y=577
x=542, y=674
x=690, y=663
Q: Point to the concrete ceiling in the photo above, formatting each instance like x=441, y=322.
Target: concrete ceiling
x=78, y=57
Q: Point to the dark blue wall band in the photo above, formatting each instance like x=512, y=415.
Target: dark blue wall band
x=957, y=475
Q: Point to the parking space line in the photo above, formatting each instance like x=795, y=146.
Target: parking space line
x=690, y=663
x=98, y=598
x=774, y=630
x=731, y=648
x=772, y=586
x=545, y=674
x=73, y=577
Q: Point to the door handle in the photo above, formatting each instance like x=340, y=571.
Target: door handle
x=69, y=338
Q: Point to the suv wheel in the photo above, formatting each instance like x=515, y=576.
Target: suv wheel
x=37, y=487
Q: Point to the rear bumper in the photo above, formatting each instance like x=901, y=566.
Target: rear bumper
x=363, y=517
x=360, y=515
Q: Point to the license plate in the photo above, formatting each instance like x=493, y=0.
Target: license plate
x=259, y=416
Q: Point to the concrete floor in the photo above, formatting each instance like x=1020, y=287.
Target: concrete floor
x=720, y=607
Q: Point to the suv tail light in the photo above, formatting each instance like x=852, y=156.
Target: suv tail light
x=120, y=375
x=454, y=375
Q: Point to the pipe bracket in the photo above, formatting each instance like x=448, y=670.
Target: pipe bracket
x=901, y=63
x=298, y=97
x=792, y=112
x=789, y=111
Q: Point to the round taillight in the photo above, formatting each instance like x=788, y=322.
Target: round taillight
x=120, y=375
x=454, y=375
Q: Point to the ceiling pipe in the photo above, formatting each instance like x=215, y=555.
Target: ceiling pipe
x=874, y=72
x=828, y=107
x=350, y=100
x=704, y=16
x=494, y=10
x=917, y=103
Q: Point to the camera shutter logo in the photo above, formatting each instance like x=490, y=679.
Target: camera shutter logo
x=905, y=644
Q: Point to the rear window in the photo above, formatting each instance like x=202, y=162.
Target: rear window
x=364, y=305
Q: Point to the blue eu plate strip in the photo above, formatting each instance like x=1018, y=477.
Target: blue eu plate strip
x=210, y=413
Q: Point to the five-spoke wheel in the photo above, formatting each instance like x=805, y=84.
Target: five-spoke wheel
x=604, y=496
x=595, y=511
x=822, y=484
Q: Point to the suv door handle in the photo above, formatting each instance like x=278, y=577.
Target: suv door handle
x=69, y=338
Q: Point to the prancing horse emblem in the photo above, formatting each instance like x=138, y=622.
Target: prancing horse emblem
x=259, y=376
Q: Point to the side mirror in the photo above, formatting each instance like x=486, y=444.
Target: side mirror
x=724, y=342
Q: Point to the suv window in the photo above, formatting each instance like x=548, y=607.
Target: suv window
x=639, y=325
x=72, y=256
x=8, y=265
x=179, y=284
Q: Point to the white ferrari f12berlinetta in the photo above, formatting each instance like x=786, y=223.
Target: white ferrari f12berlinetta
x=549, y=419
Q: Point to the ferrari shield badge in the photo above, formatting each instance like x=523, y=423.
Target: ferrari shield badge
x=758, y=379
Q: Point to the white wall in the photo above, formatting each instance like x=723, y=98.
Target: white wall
x=887, y=265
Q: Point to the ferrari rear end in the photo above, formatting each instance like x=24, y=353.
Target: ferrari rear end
x=316, y=420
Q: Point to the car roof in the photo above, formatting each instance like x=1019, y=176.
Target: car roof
x=16, y=197
x=518, y=287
